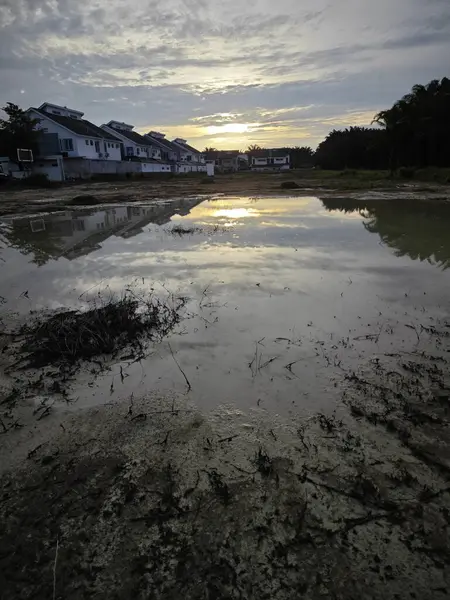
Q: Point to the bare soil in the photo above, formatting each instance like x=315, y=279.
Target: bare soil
x=151, y=499
x=31, y=200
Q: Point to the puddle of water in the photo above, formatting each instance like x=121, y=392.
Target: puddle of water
x=285, y=292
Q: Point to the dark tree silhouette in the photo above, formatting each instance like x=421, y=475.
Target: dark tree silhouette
x=301, y=156
x=414, y=132
x=418, y=126
x=353, y=148
x=18, y=131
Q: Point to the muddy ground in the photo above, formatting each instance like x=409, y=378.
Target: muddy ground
x=150, y=498
x=17, y=199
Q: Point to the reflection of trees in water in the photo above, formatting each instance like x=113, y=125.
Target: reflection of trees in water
x=419, y=229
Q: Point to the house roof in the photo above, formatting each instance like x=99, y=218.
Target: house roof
x=78, y=126
x=185, y=146
x=269, y=153
x=163, y=143
x=133, y=136
x=57, y=106
x=217, y=154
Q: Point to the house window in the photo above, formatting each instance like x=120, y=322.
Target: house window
x=117, y=145
x=91, y=142
x=87, y=142
x=56, y=112
x=138, y=151
x=67, y=145
x=97, y=146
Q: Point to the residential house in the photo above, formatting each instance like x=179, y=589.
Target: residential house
x=270, y=160
x=183, y=158
x=169, y=152
x=227, y=161
x=134, y=144
x=86, y=148
x=145, y=155
x=191, y=160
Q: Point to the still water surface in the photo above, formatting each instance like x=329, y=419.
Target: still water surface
x=286, y=294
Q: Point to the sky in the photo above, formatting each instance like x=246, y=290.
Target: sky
x=223, y=73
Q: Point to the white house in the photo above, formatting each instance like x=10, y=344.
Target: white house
x=270, y=160
x=78, y=138
x=169, y=152
x=190, y=159
x=146, y=157
x=134, y=144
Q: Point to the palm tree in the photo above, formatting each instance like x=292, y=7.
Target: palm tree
x=253, y=148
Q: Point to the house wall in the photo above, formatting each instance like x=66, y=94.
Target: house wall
x=80, y=148
x=131, y=166
x=51, y=166
x=82, y=168
x=165, y=153
x=265, y=163
x=89, y=150
x=154, y=168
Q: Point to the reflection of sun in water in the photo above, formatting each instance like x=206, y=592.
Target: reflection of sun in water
x=236, y=213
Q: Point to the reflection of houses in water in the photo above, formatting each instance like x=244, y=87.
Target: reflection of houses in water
x=72, y=234
x=415, y=228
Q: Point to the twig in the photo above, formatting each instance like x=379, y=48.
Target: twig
x=267, y=363
x=130, y=408
x=54, y=568
x=91, y=288
x=181, y=370
x=290, y=365
x=228, y=439
x=352, y=523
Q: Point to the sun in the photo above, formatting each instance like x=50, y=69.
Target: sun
x=228, y=128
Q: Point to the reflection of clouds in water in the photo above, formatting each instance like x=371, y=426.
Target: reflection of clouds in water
x=285, y=273
x=287, y=242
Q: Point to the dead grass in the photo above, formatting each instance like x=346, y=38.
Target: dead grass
x=180, y=230
x=105, y=326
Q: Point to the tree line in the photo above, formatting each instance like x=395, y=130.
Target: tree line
x=414, y=132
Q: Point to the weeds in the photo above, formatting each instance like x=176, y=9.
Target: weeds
x=180, y=230
x=220, y=488
x=263, y=463
x=107, y=326
x=328, y=424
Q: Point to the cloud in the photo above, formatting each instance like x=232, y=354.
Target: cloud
x=285, y=70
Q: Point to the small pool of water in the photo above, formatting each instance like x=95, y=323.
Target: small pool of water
x=285, y=294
